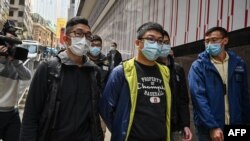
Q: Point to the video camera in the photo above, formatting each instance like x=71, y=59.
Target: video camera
x=18, y=53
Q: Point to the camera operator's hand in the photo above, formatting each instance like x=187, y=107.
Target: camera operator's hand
x=3, y=49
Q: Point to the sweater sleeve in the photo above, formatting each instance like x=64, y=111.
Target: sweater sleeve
x=110, y=96
x=184, y=99
x=3, y=61
x=246, y=98
x=22, y=71
x=34, y=105
x=198, y=94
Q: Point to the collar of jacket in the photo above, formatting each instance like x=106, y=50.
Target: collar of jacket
x=232, y=62
x=65, y=60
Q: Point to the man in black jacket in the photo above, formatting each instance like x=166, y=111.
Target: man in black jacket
x=98, y=58
x=180, y=115
x=101, y=61
x=76, y=116
x=114, y=56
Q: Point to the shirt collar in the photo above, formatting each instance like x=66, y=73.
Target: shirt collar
x=218, y=62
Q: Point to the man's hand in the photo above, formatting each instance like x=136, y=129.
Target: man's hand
x=187, y=134
x=216, y=134
x=3, y=49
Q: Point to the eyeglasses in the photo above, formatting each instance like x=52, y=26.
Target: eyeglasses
x=81, y=34
x=166, y=42
x=152, y=40
x=213, y=40
x=96, y=45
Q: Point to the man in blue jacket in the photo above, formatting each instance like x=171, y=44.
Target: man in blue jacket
x=218, y=86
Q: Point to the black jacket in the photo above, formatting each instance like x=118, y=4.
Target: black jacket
x=117, y=58
x=180, y=116
x=104, y=68
x=69, y=123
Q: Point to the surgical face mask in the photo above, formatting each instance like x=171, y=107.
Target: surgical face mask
x=112, y=48
x=166, y=48
x=151, y=50
x=95, y=51
x=213, y=49
x=79, y=46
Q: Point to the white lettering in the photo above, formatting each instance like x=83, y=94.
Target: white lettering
x=243, y=131
x=150, y=79
x=231, y=132
x=237, y=132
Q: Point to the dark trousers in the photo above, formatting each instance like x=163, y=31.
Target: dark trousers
x=202, y=134
x=10, y=125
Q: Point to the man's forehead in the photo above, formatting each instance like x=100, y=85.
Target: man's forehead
x=82, y=27
x=96, y=42
x=153, y=33
x=166, y=38
x=213, y=34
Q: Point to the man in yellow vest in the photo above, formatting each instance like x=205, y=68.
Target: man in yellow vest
x=136, y=101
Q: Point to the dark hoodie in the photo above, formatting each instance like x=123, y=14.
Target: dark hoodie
x=180, y=116
x=78, y=118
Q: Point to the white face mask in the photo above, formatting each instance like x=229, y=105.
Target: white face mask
x=79, y=46
x=112, y=48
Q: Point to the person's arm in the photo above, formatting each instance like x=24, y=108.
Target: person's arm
x=183, y=99
x=109, y=55
x=184, y=105
x=198, y=94
x=3, y=59
x=22, y=71
x=34, y=105
x=110, y=96
x=245, y=98
x=119, y=58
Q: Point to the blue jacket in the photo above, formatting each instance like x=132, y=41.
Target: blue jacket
x=206, y=87
x=118, y=101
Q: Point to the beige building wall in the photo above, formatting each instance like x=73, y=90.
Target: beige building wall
x=19, y=12
x=43, y=35
x=4, y=12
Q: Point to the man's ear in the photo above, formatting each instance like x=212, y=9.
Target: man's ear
x=225, y=41
x=67, y=40
x=137, y=43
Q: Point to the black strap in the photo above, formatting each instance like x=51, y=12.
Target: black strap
x=51, y=106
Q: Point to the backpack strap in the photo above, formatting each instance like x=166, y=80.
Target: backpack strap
x=51, y=105
x=54, y=68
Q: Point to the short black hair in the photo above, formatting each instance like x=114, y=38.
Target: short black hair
x=9, y=27
x=96, y=38
x=148, y=26
x=165, y=33
x=222, y=30
x=74, y=21
x=114, y=44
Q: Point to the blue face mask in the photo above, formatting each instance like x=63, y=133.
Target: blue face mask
x=95, y=51
x=151, y=50
x=165, y=50
x=213, y=49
